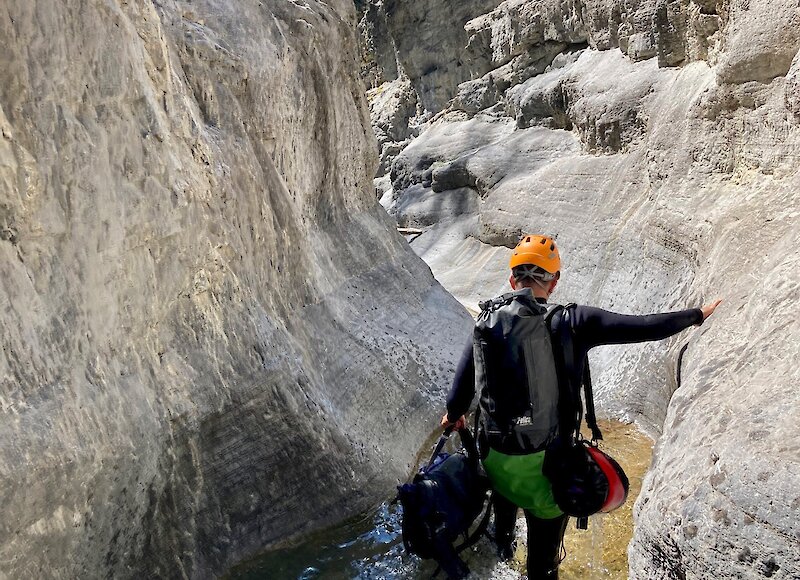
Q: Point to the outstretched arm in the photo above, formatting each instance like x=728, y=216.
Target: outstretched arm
x=594, y=326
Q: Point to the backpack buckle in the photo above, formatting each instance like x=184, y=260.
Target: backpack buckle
x=495, y=303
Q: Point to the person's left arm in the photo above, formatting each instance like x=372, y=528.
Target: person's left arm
x=595, y=326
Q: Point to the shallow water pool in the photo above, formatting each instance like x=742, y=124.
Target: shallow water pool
x=370, y=546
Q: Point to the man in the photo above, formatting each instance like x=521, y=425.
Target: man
x=516, y=475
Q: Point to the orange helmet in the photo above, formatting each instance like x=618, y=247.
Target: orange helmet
x=540, y=251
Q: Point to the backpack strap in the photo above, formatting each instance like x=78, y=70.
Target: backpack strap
x=439, y=445
x=468, y=443
x=570, y=423
x=591, y=418
x=586, y=380
x=448, y=560
x=552, y=309
x=489, y=306
x=479, y=531
x=572, y=429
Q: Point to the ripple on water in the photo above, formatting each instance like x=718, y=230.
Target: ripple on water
x=370, y=546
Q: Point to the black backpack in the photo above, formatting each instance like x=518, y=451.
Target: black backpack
x=442, y=502
x=516, y=373
x=531, y=400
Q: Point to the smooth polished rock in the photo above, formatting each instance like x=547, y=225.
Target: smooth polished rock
x=213, y=338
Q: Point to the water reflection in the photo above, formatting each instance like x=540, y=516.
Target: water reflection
x=366, y=548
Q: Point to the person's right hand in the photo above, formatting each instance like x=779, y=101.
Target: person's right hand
x=459, y=424
x=709, y=310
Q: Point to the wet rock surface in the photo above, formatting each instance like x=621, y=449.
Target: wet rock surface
x=661, y=146
x=213, y=339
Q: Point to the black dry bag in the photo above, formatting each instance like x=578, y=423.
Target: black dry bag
x=441, y=503
x=516, y=374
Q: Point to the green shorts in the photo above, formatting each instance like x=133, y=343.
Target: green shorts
x=519, y=479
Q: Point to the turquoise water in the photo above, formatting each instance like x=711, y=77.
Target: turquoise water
x=367, y=547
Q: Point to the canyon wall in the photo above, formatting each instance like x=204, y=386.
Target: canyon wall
x=659, y=141
x=213, y=338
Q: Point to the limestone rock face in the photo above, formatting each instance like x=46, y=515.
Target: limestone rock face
x=445, y=52
x=760, y=42
x=523, y=38
x=431, y=45
x=212, y=337
x=393, y=105
x=376, y=45
x=660, y=145
x=793, y=88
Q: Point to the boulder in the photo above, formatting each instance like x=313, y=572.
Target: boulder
x=640, y=46
x=477, y=95
x=761, y=39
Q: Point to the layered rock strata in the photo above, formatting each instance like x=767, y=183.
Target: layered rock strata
x=213, y=339
x=660, y=141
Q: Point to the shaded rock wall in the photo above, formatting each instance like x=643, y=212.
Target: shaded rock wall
x=660, y=142
x=212, y=337
x=436, y=57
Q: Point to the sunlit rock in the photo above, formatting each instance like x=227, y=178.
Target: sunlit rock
x=663, y=154
x=213, y=338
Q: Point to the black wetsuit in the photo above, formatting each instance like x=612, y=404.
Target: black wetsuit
x=592, y=327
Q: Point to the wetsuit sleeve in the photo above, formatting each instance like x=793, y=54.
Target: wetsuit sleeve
x=463, y=389
x=594, y=326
